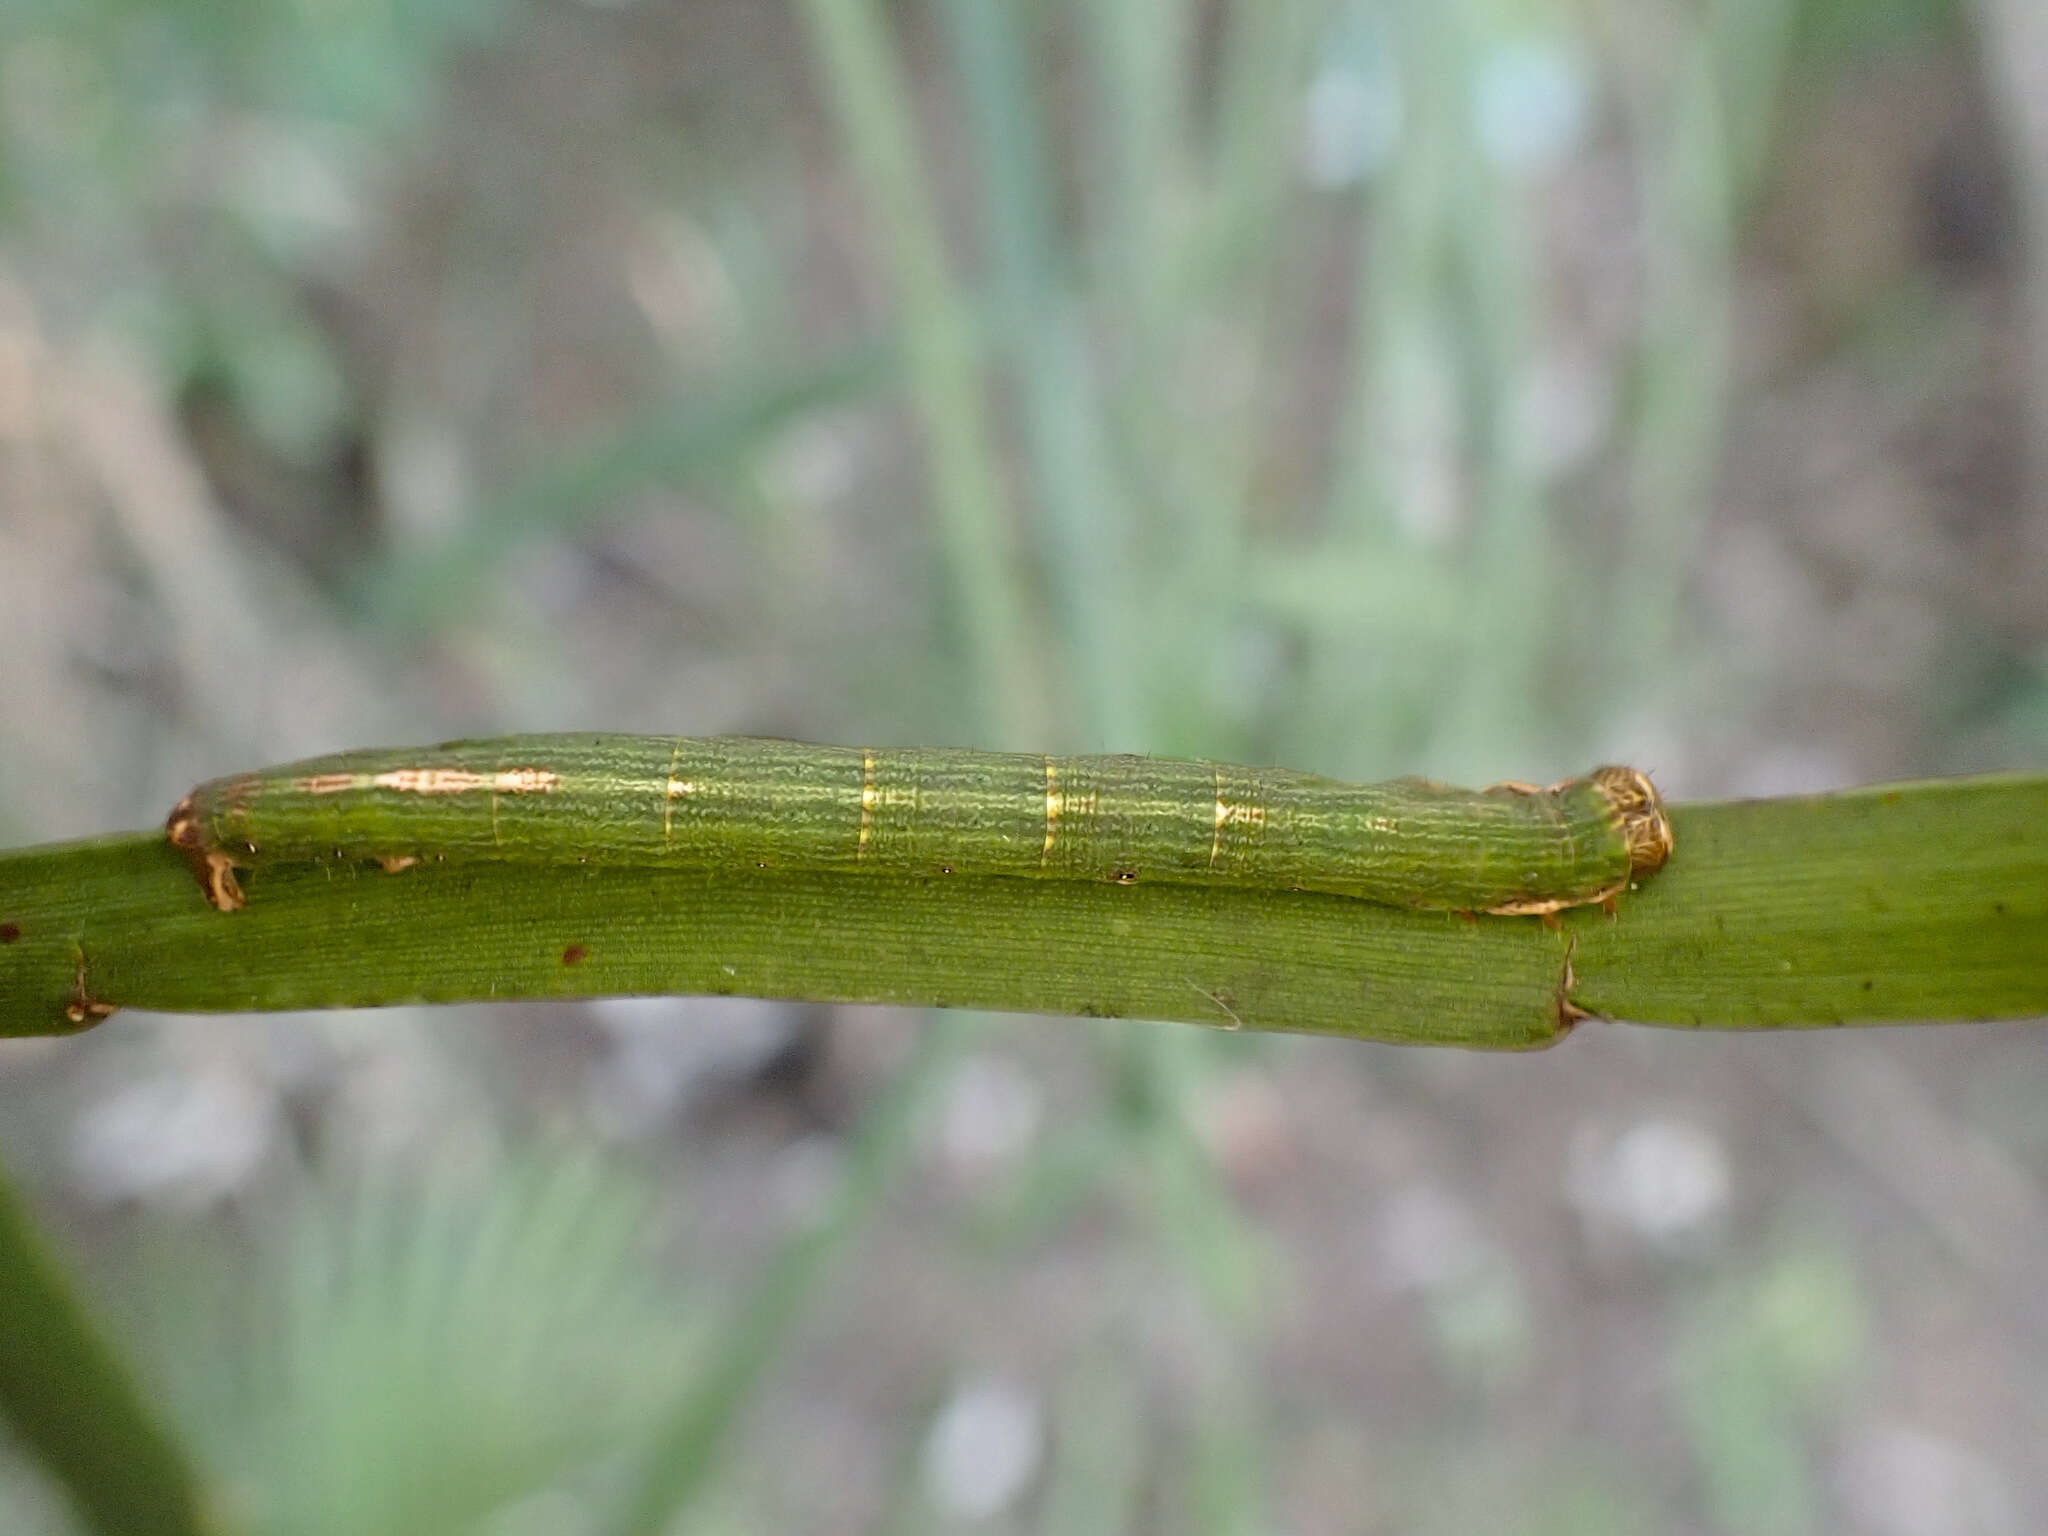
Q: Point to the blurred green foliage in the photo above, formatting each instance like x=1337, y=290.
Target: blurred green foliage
x=1764, y=1358
x=184, y=167
x=1242, y=379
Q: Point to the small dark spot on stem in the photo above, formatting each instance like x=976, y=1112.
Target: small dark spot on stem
x=945, y=869
x=575, y=954
x=1125, y=877
x=1869, y=983
x=1998, y=907
x=9, y=932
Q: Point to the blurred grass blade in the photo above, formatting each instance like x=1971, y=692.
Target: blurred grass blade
x=943, y=356
x=686, y=437
x=1689, y=198
x=1096, y=1485
x=682, y=1453
x=1087, y=525
x=70, y=1401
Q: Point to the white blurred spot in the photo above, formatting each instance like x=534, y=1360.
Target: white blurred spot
x=1897, y=1481
x=807, y=1177
x=678, y=279
x=1244, y=1120
x=1350, y=122
x=818, y=462
x=992, y=1112
x=396, y=1103
x=424, y=478
x=1530, y=104
x=296, y=187
x=1564, y=412
x=1429, y=1241
x=668, y=1054
x=983, y=1449
x=1432, y=1245
x=1792, y=768
x=181, y=1140
x=1421, y=447
x=1665, y=1183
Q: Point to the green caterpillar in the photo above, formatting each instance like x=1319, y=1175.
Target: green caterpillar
x=746, y=803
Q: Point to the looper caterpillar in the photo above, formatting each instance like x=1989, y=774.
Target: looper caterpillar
x=748, y=803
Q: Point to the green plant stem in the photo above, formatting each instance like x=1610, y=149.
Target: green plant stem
x=68, y=1398
x=1908, y=902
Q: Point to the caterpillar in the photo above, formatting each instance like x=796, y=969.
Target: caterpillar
x=749, y=803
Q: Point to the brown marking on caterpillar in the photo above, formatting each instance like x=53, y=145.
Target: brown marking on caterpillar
x=392, y=863
x=9, y=932
x=575, y=954
x=213, y=869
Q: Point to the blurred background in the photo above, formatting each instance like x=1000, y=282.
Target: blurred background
x=1481, y=388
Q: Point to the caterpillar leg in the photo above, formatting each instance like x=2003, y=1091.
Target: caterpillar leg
x=213, y=869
